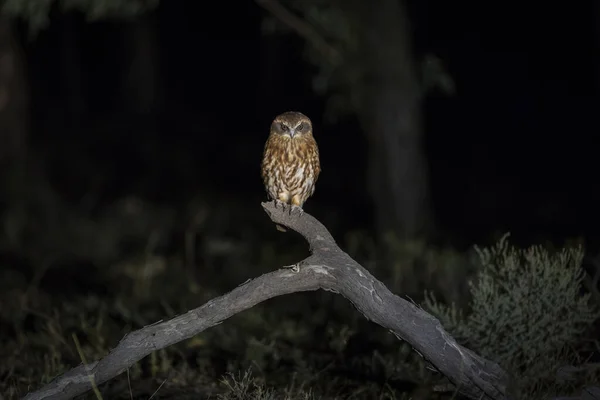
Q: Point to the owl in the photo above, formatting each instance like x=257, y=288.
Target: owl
x=290, y=164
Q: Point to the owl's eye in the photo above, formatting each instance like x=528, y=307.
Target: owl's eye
x=300, y=127
x=284, y=127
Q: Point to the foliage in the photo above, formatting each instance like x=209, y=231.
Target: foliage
x=527, y=312
x=246, y=387
x=37, y=12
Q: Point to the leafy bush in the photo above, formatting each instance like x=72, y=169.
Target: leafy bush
x=527, y=311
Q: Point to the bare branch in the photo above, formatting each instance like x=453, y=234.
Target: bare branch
x=327, y=268
x=302, y=28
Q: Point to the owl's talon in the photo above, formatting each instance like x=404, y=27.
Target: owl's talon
x=297, y=208
x=279, y=203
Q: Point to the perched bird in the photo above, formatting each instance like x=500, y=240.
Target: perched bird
x=290, y=164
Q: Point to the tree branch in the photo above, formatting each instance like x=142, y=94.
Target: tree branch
x=302, y=28
x=328, y=268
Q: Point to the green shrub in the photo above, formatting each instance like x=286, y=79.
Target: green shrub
x=527, y=312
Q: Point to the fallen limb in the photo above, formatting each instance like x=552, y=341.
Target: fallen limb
x=328, y=268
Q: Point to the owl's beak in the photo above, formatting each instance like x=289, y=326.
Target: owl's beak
x=292, y=133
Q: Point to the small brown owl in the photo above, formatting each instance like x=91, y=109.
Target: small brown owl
x=290, y=165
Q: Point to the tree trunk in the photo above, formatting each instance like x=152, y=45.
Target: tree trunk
x=142, y=83
x=13, y=99
x=72, y=75
x=391, y=116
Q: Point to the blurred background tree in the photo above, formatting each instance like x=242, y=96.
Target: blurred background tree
x=14, y=101
x=24, y=182
x=367, y=67
x=140, y=78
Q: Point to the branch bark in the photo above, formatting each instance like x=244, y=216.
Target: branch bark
x=328, y=268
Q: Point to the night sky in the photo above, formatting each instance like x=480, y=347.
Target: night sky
x=513, y=149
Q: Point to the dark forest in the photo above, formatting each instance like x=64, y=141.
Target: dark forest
x=458, y=167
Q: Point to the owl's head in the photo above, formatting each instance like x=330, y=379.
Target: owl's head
x=291, y=125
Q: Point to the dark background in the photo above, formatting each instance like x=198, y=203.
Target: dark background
x=136, y=193
x=514, y=148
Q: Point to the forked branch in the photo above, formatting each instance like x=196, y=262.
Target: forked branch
x=328, y=268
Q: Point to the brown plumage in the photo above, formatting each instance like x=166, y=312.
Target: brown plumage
x=290, y=165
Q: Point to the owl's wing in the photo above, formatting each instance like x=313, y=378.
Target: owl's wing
x=316, y=164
